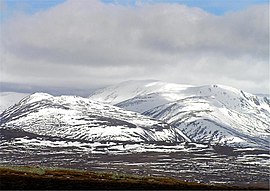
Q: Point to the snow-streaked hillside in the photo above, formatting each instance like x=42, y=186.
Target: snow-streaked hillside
x=130, y=89
x=8, y=99
x=82, y=119
x=214, y=114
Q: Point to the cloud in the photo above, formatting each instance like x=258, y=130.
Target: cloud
x=86, y=44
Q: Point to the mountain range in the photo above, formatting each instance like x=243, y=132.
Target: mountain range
x=146, y=111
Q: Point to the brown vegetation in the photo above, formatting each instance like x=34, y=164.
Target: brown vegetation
x=48, y=178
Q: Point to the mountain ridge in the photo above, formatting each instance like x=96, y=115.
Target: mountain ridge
x=80, y=118
x=213, y=114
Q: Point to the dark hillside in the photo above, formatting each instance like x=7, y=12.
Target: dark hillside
x=26, y=178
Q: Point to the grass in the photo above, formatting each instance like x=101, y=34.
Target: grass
x=34, y=177
x=26, y=169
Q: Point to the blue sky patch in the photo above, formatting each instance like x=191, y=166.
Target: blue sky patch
x=217, y=7
x=10, y=8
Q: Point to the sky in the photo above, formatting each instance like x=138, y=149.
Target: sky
x=76, y=46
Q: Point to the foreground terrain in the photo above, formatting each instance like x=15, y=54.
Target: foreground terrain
x=25, y=177
x=206, y=164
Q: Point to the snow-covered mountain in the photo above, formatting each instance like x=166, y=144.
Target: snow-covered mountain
x=213, y=114
x=8, y=99
x=131, y=89
x=79, y=118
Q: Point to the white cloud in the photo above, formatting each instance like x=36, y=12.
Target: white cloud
x=85, y=44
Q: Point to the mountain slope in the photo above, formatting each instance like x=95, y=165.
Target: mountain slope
x=130, y=89
x=82, y=119
x=8, y=99
x=213, y=114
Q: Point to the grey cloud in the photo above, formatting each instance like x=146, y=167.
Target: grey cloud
x=88, y=43
x=233, y=34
